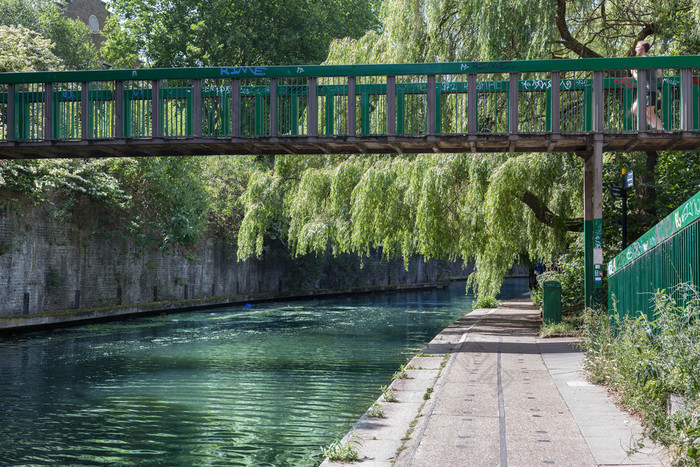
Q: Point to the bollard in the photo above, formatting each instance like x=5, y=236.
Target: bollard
x=551, y=302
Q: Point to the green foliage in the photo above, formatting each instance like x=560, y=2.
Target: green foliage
x=169, y=202
x=225, y=32
x=567, y=327
x=54, y=279
x=63, y=181
x=343, y=452
x=375, y=411
x=645, y=360
x=25, y=50
x=569, y=272
x=678, y=179
x=401, y=374
x=70, y=39
x=161, y=200
x=437, y=206
x=484, y=301
x=225, y=179
x=389, y=394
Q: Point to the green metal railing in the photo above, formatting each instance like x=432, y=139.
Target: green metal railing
x=549, y=96
x=663, y=258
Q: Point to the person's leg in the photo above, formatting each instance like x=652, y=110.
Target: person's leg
x=653, y=120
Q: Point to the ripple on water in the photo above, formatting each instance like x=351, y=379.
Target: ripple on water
x=264, y=387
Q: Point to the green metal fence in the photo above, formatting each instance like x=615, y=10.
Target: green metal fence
x=663, y=258
x=547, y=96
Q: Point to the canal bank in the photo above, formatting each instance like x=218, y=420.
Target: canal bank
x=55, y=271
x=72, y=317
x=487, y=391
x=267, y=384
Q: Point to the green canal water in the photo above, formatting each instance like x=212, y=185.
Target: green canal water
x=262, y=385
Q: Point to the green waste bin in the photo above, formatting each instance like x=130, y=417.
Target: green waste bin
x=551, y=302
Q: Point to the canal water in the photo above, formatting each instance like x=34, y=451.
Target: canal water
x=263, y=385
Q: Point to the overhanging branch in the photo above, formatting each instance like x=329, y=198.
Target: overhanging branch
x=546, y=216
x=567, y=39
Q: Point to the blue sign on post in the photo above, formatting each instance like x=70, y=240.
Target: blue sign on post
x=629, y=179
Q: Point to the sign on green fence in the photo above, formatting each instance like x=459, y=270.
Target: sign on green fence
x=685, y=215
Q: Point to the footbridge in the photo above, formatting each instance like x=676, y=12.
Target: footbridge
x=583, y=106
x=516, y=106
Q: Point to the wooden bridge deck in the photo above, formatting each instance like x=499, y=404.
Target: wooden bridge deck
x=484, y=143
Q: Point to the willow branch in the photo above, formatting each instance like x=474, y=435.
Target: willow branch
x=546, y=216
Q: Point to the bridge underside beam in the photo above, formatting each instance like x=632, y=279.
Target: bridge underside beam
x=530, y=142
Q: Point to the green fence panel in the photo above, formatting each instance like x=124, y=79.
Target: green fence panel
x=665, y=257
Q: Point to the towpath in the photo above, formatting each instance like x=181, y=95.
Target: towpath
x=487, y=392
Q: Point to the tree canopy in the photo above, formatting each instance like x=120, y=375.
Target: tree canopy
x=494, y=209
x=24, y=49
x=231, y=32
x=69, y=38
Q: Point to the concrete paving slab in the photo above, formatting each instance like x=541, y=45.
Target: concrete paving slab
x=504, y=397
x=469, y=452
x=609, y=432
x=425, y=363
x=471, y=403
x=549, y=451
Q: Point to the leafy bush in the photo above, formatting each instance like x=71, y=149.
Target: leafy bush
x=569, y=272
x=483, y=301
x=645, y=360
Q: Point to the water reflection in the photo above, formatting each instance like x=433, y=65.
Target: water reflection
x=238, y=386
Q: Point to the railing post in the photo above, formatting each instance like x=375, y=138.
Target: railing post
x=10, y=112
x=352, y=107
x=641, y=100
x=431, y=105
x=593, y=224
x=197, y=108
x=313, y=107
x=391, y=105
x=84, y=111
x=48, y=111
x=155, y=108
x=118, y=97
x=556, y=94
x=236, y=107
x=513, y=104
x=686, y=99
x=472, y=111
x=273, y=106
x=598, y=101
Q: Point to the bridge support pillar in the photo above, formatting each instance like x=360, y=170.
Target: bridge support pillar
x=593, y=225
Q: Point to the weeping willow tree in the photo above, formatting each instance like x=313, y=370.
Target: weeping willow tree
x=494, y=209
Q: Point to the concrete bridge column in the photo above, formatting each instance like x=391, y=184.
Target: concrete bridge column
x=593, y=224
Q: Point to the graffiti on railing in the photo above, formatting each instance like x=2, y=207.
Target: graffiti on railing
x=216, y=89
x=537, y=84
x=485, y=66
x=491, y=66
x=243, y=70
x=627, y=82
x=575, y=83
x=488, y=86
x=686, y=214
x=671, y=81
x=449, y=87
